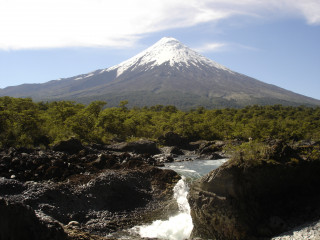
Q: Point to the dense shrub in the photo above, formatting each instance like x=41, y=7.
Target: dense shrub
x=26, y=123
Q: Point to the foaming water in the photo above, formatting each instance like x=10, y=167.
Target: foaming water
x=177, y=227
x=196, y=168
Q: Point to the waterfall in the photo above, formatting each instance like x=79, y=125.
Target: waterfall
x=177, y=227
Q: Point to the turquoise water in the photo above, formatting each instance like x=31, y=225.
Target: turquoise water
x=196, y=168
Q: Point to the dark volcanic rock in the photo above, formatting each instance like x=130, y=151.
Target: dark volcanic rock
x=243, y=201
x=71, y=146
x=200, y=144
x=212, y=156
x=208, y=149
x=103, y=192
x=19, y=221
x=173, y=150
x=141, y=147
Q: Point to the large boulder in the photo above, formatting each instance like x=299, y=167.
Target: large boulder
x=71, y=146
x=19, y=221
x=254, y=201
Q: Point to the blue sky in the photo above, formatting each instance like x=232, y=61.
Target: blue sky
x=275, y=41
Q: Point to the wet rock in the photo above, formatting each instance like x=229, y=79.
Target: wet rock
x=212, y=156
x=172, y=150
x=163, y=158
x=78, y=234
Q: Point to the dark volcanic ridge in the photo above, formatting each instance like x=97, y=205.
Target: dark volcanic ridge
x=167, y=73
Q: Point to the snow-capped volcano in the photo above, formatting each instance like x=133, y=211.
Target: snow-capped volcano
x=166, y=51
x=168, y=72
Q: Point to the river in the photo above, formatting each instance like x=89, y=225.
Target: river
x=180, y=226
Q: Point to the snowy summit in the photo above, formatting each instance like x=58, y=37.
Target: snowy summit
x=167, y=50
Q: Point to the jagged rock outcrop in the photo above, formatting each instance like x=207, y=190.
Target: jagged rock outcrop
x=101, y=202
x=245, y=201
x=101, y=190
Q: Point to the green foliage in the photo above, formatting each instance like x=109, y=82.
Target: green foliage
x=56, y=118
x=25, y=123
x=83, y=124
x=250, y=153
x=21, y=124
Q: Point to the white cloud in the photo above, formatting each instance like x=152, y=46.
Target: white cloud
x=61, y=23
x=210, y=47
x=310, y=9
x=219, y=46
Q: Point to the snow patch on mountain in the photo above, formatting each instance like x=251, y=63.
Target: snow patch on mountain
x=166, y=51
x=85, y=76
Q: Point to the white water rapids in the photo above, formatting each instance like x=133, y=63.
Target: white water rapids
x=177, y=227
x=180, y=226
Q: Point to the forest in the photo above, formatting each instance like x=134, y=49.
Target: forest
x=24, y=123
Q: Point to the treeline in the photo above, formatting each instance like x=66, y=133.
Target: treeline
x=26, y=123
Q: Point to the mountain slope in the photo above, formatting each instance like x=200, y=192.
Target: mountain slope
x=166, y=73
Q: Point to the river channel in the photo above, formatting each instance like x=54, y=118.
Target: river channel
x=178, y=227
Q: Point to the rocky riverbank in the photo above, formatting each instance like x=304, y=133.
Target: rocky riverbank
x=72, y=191
x=80, y=190
x=258, y=199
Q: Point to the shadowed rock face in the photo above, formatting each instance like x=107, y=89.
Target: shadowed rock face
x=237, y=201
x=102, y=202
x=71, y=146
x=19, y=221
